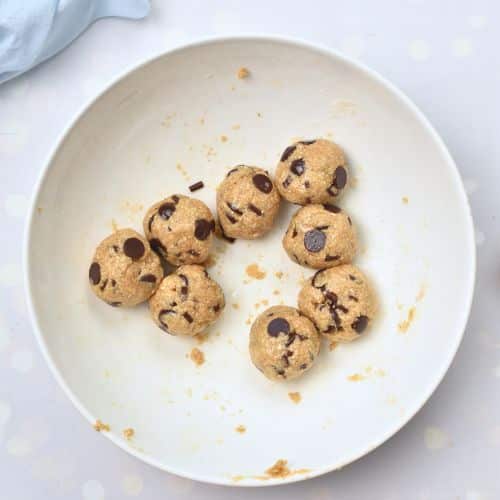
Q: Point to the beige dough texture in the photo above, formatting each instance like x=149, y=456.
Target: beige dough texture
x=340, y=302
x=284, y=343
x=320, y=236
x=124, y=270
x=247, y=203
x=187, y=301
x=180, y=229
x=311, y=172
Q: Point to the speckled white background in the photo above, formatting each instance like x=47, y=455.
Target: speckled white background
x=444, y=55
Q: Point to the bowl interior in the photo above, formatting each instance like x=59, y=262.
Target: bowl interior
x=160, y=129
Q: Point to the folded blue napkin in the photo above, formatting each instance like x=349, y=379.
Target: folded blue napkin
x=31, y=31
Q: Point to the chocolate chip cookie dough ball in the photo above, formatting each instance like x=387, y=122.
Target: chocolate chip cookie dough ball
x=180, y=229
x=124, y=270
x=247, y=203
x=339, y=301
x=311, y=172
x=187, y=301
x=320, y=236
x=283, y=343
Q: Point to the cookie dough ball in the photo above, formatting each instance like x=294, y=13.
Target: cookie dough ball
x=311, y=172
x=320, y=236
x=247, y=203
x=180, y=229
x=283, y=343
x=187, y=301
x=339, y=301
x=124, y=270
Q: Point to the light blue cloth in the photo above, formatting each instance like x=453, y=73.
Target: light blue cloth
x=31, y=31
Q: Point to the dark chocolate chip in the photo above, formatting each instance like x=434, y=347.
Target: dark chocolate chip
x=232, y=171
x=166, y=210
x=349, y=220
x=342, y=308
x=194, y=253
x=225, y=236
x=156, y=246
x=255, y=209
x=360, y=324
x=340, y=178
x=303, y=366
x=116, y=248
x=352, y=278
x=196, y=186
x=230, y=218
x=103, y=286
x=322, y=228
x=302, y=337
x=202, y=229
x=308, y=200
x=288, y=152
x=329, y=258
x=270, y=314
x=133, y=248
x=115, y=304
x=233, y=208
x=279, y=371
x=353, y=298
x=336, y=318
x=216, y=308
x=285, y=357
x=297, y=166
x=262, y=183
x=307, y=184
x=294, y=232
x=148, y=278
x=184, y=278
x=165, y=311
x=113, y=283
x=307, y=143
x=95, y=273
x=205, y=272
x=187, y=317
x=175, y=198
x=150, y=222
x=331, y=297
x=314, y=240
x=291, y=338
x=277, y=326
x=332, y=208
x=287, y=182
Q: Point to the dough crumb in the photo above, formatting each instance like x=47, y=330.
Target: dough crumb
x=279, y=274
x=295, y=397
x=39, y=210
x=101, y=426
x=241, y=429
x=405, y=324
x=279, y=469
x=236, y=126
x=223, y=138
x=235, y=306
x=114, y=225
x=333, y=345
x=405, y=200
x=201, y=338
x=197, y=356
x=254, y=271
x=356, y=377
x=243, y=73
x=276, y=292
x=183, y=172
x=421, y=293
x=128, y=433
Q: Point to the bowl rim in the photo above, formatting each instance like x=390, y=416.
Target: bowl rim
x=249, y=37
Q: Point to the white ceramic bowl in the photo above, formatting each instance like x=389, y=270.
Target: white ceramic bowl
x=120, y=155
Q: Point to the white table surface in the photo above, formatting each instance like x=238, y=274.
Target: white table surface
x=444, y=55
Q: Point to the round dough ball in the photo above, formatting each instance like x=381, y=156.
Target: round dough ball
x=247, y=203
x=320, y=236
x=187, y=301
x=340, y=302
x=124, y=270
x=283, y=343
x=180, y=229
x=311, y=172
